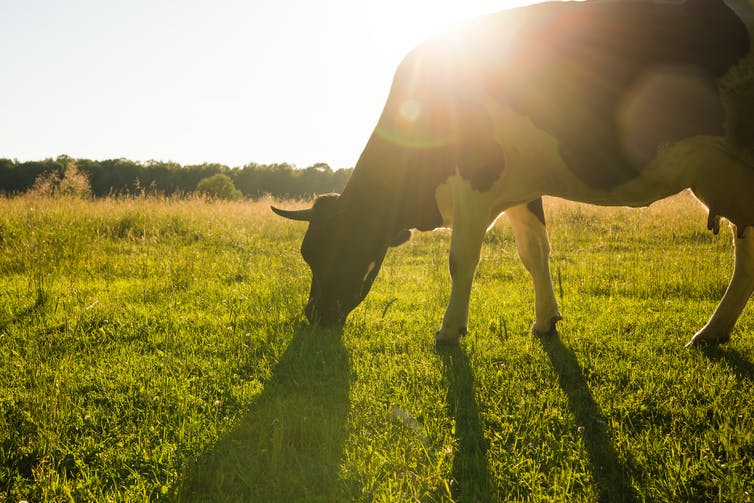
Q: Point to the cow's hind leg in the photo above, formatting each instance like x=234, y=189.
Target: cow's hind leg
x=718, y=328
x=528, y=223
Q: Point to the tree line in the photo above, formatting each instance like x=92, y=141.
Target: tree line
x=123, y=177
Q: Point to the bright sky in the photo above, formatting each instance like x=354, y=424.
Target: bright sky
x=228, y=81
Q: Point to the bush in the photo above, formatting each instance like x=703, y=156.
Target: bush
x=218, y=186
x=72, y=183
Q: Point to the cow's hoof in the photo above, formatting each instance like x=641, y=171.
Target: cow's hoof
x=450, y=337
x=708, y=338
x=549, y=329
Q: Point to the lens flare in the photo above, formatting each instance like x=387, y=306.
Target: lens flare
x=410, y=110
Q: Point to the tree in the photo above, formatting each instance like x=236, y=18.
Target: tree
x=218, y=186
x=123, y=177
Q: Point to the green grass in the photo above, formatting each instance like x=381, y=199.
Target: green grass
x=155, y=350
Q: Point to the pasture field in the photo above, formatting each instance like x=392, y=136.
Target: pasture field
x=155, y=350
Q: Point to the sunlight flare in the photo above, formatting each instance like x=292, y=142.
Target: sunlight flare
x=410, y=110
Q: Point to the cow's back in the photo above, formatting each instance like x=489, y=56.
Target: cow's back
x=610, y=82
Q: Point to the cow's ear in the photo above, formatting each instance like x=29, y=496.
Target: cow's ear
x=400, y=238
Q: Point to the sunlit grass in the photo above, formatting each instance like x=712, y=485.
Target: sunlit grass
x=154, y=349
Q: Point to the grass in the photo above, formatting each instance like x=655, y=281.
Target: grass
x=155, y=350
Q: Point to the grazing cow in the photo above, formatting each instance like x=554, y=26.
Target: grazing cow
x=606, y=102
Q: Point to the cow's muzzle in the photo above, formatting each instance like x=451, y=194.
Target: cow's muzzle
x=324, y=317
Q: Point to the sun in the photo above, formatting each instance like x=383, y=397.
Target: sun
x=389, y=29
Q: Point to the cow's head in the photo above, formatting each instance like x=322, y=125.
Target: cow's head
x=344, y=254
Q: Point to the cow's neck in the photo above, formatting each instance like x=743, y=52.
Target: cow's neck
x=393, y=186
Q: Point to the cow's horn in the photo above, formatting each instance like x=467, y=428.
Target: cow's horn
x=300, y=215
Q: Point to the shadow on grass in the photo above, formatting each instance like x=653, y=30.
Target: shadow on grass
x=471, y=478
x=739, y=364
x=39, y=303
x=288, y=446
x=607, y=471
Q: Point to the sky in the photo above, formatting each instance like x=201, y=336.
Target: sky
x=226, y=81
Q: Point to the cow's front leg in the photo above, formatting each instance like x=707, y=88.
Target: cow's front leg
x=718, y=328
x=465, y=245
x=528, y=223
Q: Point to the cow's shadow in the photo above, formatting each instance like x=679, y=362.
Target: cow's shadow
x=471, y=478
x=741, y=366
x=288, y=446
x=607, y=471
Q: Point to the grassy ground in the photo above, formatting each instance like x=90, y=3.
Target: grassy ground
x=155, y=350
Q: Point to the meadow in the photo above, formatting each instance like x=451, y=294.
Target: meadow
x=154, y=350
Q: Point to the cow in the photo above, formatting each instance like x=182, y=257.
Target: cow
x=608, y=102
